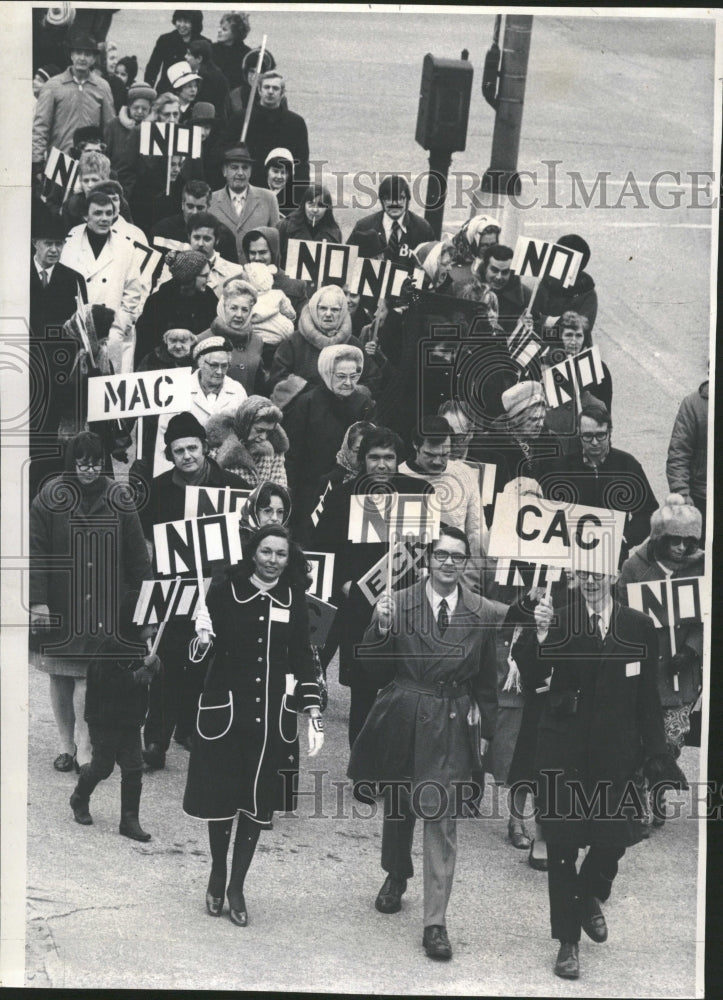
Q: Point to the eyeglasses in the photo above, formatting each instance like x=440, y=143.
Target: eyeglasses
x=441, y=556
x=586, y=573
x=681, y=540
x=338, y=377
x=89, y=466
x=598, y=436
x=217, y=366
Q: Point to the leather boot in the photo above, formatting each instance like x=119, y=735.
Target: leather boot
x=80, y=799
x=130, y=801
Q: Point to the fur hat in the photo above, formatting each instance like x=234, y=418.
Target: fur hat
x=140, y=90
x=676, y=517
x=183, y=425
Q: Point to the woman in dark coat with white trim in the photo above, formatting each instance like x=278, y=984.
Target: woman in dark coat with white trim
x=245, y=752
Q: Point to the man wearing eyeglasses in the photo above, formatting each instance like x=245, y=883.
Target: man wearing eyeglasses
x=439, y=655
x=601, y=723
x=598, y=475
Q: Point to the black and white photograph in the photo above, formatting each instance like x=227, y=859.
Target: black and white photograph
x=356, y=469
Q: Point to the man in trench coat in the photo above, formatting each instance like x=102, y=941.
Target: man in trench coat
x=602, y=722
x=420, y=731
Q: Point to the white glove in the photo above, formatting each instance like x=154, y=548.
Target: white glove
x=316, y=734
x=204, y=625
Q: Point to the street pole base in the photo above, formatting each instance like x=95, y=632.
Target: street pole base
x=501, y=182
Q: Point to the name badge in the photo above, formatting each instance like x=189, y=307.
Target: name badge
x=290, y=684
x=632, y=669
x=279, y=614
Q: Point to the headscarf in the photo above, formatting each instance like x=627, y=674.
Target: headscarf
x=252, y=409
x=241, y=288
x=345, y=457
x=334, y=293
x=249, y=511
x=328, y=358
x=466, y=241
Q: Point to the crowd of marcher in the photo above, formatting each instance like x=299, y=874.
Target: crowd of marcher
x=308, y=400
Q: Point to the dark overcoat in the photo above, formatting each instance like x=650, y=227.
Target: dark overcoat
x=601, y=721
x=245, y=752
x=412, y=734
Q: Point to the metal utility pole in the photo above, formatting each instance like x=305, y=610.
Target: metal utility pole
x=501, y=177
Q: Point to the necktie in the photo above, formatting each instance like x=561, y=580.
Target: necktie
x=238, y=204
x=596, y=620
x=393, y=244
x=44, y=277
x=443, y=616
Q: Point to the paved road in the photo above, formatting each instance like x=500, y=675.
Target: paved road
x=106, y=912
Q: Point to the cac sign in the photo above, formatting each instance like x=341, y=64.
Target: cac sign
x=556, y=534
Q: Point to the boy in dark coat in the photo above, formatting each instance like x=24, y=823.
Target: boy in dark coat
x=115, y=709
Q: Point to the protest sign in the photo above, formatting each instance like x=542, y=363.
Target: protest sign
x=668, y=603
x=204, y=500
x=406, y=556
x=138, y=394
x=565, y=381
x=170, y=139
x=487, y=476
x=322, y=574
x=375, y=517
x=323, y=263
x=556, y=534
x=192, y=546
x=321, y=618
x=319, y=509
x=517, y=573
x=146, y=258
x=160, y=600
x=61, y=169
x=540, y=259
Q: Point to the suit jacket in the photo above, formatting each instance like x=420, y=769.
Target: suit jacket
x=261, y=209
x=52, y=306
x=601, y=721
x=413, y=734
x=418, y=231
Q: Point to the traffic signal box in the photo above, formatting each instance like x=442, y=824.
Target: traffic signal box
x=444, y=103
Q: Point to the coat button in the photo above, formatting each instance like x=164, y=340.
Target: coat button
x=258, y=680
x=507, y=642
x=261, y=618
x=260, y=639
x=453, y=715
x=291, y=758
x=258, y=720
x=258, y=700
x=260, y=660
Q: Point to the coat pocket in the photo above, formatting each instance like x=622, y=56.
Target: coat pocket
x=288, y=722
x=215, y=714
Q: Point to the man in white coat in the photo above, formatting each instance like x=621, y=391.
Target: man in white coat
x=110, y=266
x=213, y=392
x=240, y=205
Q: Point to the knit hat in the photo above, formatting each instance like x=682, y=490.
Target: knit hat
x=183, y=425
x=279, y=153
x=252, y=409
x=50, y=69
x=187, y=265
x=179, y=74
x=209, y=345
x=676, y=517
x=329, y=356
x=368, y=242
x=522, y=396
x=60, y=15
x=261, y=276
x=138, y=90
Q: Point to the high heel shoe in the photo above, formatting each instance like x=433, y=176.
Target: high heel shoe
x=238, y=914
x=214, y=896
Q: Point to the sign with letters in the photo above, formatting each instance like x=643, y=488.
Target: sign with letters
x=146, y=258
x=569, y=536
x=139, y=394
x=204, y=500
x=322, y=574
x=160, y=600
x=170, y=139
x=406, y=557
x=377, y=517
x=61, y=169
x=669, y=602
x=178, y=552
x=565, y=381
x=517, y=573
x=541, y=259
x=323, y=263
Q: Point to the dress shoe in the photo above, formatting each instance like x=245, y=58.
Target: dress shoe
x=64, y=762
x=436, y=943
x=390, y=895
x=154, y=757
x=593, y=921
x=567, y=965
x=79, y=805
x=518, y=835
x=238, y=913
x=538, y=856
x=130, y=827
x=214, y=905
x=214, y=894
